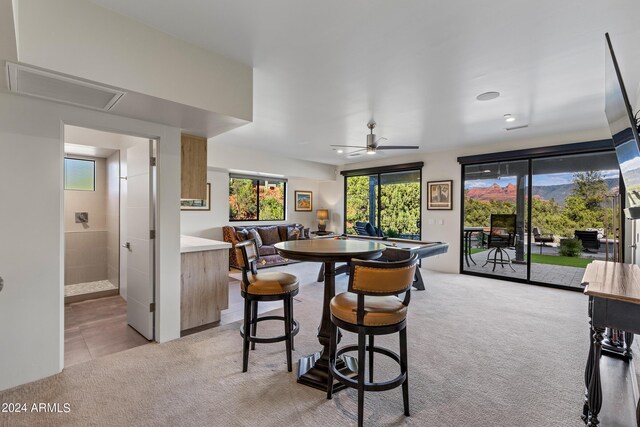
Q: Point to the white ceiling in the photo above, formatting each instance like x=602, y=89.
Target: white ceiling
x=322, y=69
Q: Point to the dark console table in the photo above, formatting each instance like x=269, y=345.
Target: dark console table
x=614, y=302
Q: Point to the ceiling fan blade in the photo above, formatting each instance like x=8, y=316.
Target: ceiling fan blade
x=355, y=154
x=397, y=147
x=348, y=146
x=379, y=140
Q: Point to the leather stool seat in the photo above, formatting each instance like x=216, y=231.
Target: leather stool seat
x=378, y=311
x=271, y=283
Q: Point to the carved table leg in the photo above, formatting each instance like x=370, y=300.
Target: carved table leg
x=628, y=339
x=595, y=385
x=588, y=370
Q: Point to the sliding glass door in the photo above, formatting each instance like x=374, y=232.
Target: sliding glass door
x=572, y=218
x=495, y=213
x=390, y=202
x=541, y=220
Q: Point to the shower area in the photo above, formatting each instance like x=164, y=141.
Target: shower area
x=92, y=222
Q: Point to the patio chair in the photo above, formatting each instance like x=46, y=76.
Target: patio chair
x=542, y=239
x=589, y=240
x=366, y=229
x=502, y=235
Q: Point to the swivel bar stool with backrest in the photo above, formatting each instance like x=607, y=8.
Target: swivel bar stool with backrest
x=256, y=287
x=371, y=307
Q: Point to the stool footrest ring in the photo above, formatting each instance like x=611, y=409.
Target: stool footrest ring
x=368, y=386
x=267, y=340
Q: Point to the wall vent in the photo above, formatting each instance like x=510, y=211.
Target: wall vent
x=27, y=80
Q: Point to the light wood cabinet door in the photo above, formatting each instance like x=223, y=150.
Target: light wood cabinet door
x=204, y=287
x=194, y=167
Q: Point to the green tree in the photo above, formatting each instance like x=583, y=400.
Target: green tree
x=592, y=187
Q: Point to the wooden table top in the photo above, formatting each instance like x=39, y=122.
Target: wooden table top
x=329, y=249
x=613, y=280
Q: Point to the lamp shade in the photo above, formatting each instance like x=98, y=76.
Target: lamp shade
x=322, y=214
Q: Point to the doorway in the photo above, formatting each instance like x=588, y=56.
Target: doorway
x=109, y=194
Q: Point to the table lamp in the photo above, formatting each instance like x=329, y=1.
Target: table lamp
x=323, y=216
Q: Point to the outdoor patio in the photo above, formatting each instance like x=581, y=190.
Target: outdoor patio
x=540, y=272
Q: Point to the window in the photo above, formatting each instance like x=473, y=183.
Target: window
x=387, y=198
x=256, y=199
x=79, y=174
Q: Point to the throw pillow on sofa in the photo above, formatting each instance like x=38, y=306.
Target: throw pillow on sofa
x=242, y=235
x=269, y=235
x=293, y=233
x=253, y=234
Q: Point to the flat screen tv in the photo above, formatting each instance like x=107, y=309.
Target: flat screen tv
x=624, y=131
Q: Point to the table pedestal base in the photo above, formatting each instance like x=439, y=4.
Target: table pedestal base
x=313, y=371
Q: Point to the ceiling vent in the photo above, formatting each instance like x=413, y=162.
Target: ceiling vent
x=517, y=127
x=27, y=80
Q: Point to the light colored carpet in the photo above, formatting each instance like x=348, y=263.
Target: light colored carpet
x=481, y=353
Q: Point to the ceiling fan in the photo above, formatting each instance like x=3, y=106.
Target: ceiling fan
x=372, y=144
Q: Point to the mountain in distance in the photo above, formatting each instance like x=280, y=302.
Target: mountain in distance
x=557, y=192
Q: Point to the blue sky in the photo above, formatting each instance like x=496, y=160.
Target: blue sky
x=538, y=180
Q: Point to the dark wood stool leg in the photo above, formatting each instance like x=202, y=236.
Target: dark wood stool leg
x=332, y=359
x=370, y=358
x=404, y=370
x=254, y=322
x=287, y=329
x=245, y=344
x=361, y=360
x=293, y=347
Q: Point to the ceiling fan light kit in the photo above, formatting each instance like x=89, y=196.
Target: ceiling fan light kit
x=373, y=146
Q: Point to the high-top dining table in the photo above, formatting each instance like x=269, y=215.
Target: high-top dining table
x=313, y=369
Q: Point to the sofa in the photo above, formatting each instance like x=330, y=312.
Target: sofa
x=266, y=236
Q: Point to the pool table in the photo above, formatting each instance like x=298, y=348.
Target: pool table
x=397, y=249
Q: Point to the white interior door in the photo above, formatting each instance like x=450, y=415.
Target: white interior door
x=140, y=254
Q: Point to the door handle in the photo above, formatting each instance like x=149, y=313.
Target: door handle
x=1, y=283
x=127, y=245
x=633, y=246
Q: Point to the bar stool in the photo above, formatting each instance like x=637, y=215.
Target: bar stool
x=256, y=287
x=380, y=313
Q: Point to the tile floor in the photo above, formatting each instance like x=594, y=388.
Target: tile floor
x=88, y=287
x=95, y=328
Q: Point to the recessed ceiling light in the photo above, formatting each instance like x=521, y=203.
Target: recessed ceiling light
x=487, y=96
x=509, y=118
x=340, y=151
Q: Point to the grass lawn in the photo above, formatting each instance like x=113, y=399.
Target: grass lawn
x=550, y=259
x=560, y=260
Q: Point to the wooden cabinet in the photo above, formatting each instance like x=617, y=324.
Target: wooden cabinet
x=194, y=167
x=204, y=287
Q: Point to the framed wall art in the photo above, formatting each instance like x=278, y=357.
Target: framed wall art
x=439, y=195
x=304, y=201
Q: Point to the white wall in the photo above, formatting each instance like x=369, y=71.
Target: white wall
x=79, y=38
x=444, y=166
x=208, y=224
x=31, y=263
x=301, y=175
x=113, y=218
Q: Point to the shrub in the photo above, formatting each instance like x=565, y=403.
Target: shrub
x=570, y=247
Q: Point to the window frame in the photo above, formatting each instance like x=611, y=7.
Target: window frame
x=379, y=171
x=259, y=180
x=65, y=173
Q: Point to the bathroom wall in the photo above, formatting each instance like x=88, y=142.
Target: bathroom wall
x=113, y=218
x=85, y=256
